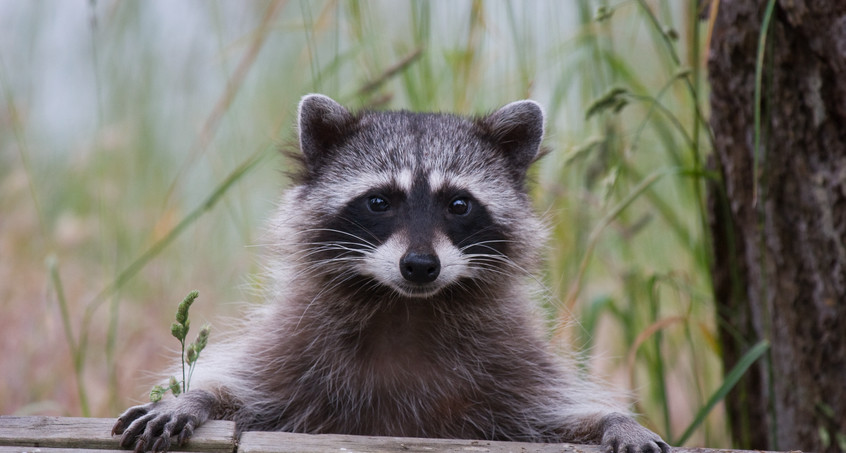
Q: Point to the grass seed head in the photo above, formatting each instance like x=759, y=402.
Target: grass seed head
x=157, y=393
x=174, y=386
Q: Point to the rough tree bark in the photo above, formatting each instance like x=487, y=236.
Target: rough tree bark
x=780, y=240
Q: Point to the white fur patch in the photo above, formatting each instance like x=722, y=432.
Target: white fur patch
x=405, y=179
x=453, y=262
x=383, y=262
x=437, y=180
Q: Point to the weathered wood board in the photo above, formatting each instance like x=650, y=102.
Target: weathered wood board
x=264, y=442
x=93, y=435
x=76, y=433
x=21, y=449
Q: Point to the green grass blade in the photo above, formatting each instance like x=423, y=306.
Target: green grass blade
x=657, y=371
x=76, y=351
x=759, y=69
x=728, y=383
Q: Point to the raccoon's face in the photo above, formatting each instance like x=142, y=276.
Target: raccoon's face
x=417, y=202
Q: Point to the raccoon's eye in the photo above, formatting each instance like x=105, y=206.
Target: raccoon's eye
x=378, y=204
x=459, y=206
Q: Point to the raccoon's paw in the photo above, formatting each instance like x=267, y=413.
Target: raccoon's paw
x=152, y=426
x=621, y=434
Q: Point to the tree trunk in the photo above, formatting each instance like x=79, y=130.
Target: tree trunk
x=780, y=241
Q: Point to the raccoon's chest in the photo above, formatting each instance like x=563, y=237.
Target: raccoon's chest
x=400, y=379
x=397, y=342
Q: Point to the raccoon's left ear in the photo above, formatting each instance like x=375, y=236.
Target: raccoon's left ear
x=518, y=129
x=323, y=124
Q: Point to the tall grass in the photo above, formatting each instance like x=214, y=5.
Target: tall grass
x=169, y=169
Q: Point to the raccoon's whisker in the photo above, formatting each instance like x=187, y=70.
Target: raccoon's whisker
x=326, y=255
x=347, y=233
x=344, y=245
x=495, y=260
x=323, y=267
x=347, y=251
x=475, y=234
x=484, y=257
x=486, y=264
x=358, y=224
x=489, y=272
x=298, y=255
x=487, y=257
x=332, y=248
x=308, y=248
x=329, y=266
x=496, y=255
x=364, y=245
x=337, y=253
x=485, y=245
x=494, y=263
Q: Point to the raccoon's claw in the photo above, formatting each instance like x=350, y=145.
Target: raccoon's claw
x=150, y=429
x=624, y=435
x=649, y=447
x=186, y=432
x=128, y=417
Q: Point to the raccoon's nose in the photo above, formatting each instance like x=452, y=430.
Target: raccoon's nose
x=420, y=267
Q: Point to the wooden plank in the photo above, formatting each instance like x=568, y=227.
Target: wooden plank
x=55, y=450
x=265, y=442
x=95, y=434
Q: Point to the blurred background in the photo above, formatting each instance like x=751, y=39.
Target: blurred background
x=139, y=159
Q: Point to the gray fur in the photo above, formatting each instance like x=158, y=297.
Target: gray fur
x=341, y=348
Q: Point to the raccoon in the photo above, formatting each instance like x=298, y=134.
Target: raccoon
x=400, y=303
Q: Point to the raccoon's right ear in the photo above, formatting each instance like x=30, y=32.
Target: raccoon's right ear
x=322, y=124
x=518, y=130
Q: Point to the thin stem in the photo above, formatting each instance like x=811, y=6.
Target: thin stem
x=182, y=356
x=76, y=349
